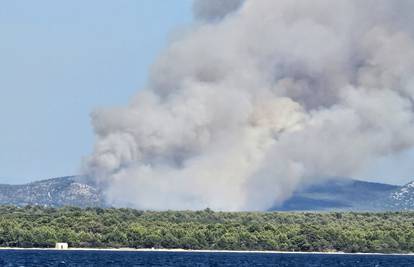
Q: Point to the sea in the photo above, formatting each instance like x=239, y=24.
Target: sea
x=37, y=258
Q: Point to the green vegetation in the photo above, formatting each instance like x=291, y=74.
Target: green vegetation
x=96, y=227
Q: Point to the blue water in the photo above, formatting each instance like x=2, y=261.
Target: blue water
x=127, y=258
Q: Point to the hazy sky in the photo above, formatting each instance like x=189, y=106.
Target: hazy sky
x=61, y=59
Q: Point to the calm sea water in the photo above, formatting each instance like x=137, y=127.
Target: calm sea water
x=127, y=258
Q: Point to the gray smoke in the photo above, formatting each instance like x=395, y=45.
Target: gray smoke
x=240, y=112
x=213, y=10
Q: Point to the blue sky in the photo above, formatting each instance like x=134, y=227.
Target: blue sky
x=61, y=59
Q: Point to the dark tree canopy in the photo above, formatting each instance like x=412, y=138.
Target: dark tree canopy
x=34, y=226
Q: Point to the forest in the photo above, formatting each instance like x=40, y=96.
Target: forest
x=34, y=226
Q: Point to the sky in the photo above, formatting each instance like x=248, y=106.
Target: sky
x=59, y=60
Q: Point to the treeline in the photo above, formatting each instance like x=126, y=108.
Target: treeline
x=34, y=226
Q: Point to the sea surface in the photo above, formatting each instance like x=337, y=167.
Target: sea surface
x=133, y=258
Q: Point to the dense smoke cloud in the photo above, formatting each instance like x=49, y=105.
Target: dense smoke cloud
x=240, y=112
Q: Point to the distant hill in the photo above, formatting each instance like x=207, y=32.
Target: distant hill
x=343, y=194
x=403, y=198
x=56, y=192
x=337, y=194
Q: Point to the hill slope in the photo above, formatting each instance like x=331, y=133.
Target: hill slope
x=339, y=194
x=342, y=194
x=403, y=198
x=64, y=191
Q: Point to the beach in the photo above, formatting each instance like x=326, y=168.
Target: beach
x=204, y=251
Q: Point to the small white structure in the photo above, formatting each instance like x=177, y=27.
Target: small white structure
x=61, y=246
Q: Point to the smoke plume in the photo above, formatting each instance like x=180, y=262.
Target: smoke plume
x=213, y=10
x=259, y=98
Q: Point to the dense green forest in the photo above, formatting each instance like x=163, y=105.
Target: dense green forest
x=95, y=227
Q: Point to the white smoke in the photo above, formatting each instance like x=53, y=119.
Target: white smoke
x=240, y=112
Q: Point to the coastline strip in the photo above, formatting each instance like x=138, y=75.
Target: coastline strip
x=205, y=251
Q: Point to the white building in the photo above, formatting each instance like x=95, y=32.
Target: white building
x=61, y=246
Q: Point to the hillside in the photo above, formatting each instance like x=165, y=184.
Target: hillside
x=56, y=192
x=338, y=194
x=342, y=194
x=403, y=198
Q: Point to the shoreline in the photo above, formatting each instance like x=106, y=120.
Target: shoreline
x=206, y=251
